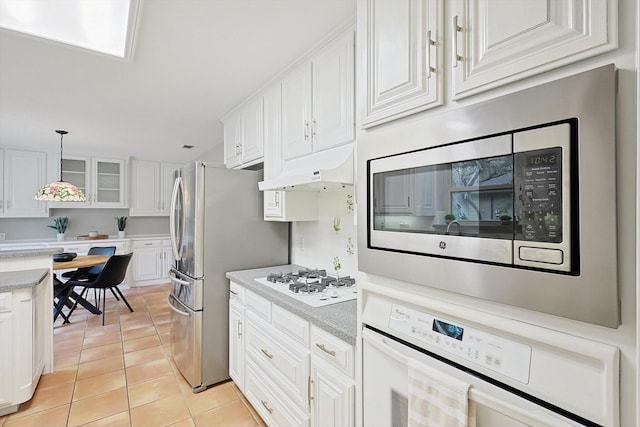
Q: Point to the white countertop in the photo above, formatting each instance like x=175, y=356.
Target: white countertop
x=51, y=241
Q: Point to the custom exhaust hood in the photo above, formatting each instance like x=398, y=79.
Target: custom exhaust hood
x=330, y=169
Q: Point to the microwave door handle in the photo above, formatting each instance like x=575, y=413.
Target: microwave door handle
x=523, y=415
x=177, y=252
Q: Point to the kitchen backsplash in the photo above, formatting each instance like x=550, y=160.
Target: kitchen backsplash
x=81, y=221
x=317, y=244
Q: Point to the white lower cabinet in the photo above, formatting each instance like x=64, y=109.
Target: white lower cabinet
x=332, y=385
x=265, y=395
x=236, y=341
x=151, y=261
x=332, y=396
x=6, y=321
x=293, y=373
x=20, y=368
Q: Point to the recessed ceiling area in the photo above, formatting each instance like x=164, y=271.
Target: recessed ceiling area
x=191, y=62
x=105, y=26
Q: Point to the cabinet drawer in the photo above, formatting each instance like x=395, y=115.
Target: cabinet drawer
x=259, y=305
x=285, y=360
x=5, y=301
x=236, y=292
x=78, y=248
x=332, y=349
x=290, y=324
x=266, y=399
x=140, y=244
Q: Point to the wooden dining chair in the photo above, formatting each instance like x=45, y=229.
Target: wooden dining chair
x=112, y=274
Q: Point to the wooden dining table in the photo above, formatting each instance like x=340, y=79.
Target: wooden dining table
x=81, y=261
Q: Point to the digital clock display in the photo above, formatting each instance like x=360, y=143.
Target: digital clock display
x=448, y=329
x=547, y=158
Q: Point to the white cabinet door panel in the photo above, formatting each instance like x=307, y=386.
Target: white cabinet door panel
x=145, y=188
x=296, y=113
x=500, y=41
x=402, y=67
x=333, y=100
x=24, y=174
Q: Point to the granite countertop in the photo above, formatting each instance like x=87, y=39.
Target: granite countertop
x=49, y=242
x=10, y=280
x=22, y=253
x=337, y=319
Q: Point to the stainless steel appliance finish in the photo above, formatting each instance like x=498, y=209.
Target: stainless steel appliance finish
x=216, y=226
x=510, y=194
x=589, y=291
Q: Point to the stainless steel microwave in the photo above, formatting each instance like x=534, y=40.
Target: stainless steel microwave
x=510, y=199
x=504, y=199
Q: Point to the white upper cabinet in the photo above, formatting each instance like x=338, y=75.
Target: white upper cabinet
x=281, y=205
x=296, y=113
x=151, y=186
x=243, y=135
x=101, y=180
x=401, y=57
x=411, y=50
x=497, y=42
x=318, y=101
x=24, y=172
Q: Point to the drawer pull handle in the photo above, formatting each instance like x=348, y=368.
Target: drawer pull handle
x=266, y=406
x=233, y=292
x=323, y=348
x=266, y=353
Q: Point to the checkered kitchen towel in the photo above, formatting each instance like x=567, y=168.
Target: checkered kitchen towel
x=438, y=400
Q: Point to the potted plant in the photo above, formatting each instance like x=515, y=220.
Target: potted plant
x=60, y=224
x=449, y=217
x=121, y=221
x=505, y=219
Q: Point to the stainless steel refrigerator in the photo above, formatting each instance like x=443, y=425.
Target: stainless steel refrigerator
x=216, y=225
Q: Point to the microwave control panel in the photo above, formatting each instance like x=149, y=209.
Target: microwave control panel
x=538, y=204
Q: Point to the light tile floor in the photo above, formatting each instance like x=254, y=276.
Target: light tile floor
x=121, y=374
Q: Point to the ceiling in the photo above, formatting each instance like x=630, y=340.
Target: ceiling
x=193, y=61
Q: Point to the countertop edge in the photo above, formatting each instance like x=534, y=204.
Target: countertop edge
x=337, y=319
x=12, y=280
x=22, y=253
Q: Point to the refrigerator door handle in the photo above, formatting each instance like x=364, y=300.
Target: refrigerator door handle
x=177, y=252
x=171, y=306
x=179, y=281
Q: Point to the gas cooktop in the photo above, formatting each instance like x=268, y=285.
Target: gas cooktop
x=312, y=287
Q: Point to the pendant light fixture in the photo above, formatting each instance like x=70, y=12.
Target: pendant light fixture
x=60, y=191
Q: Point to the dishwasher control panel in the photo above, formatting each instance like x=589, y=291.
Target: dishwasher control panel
x=490, y=351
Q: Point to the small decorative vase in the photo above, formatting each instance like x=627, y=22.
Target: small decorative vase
x=121, y=234
x=60, y=237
